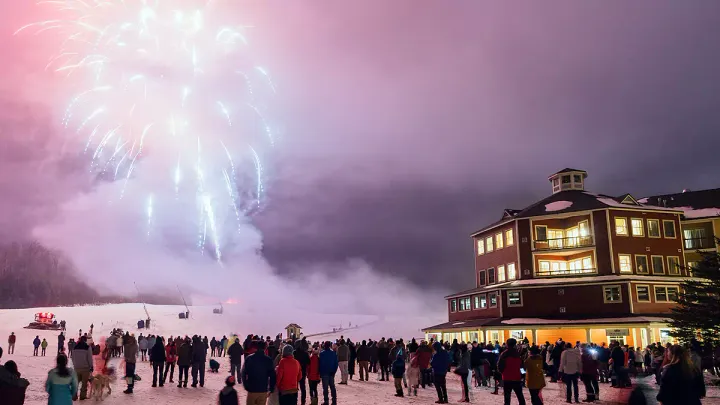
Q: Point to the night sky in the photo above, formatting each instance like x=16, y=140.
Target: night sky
x=408, y=124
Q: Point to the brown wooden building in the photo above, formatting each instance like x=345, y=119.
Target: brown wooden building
x=576, y=265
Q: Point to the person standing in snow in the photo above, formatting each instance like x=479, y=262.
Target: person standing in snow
x=61, y=342
x=398, y=373
x=424, y=355
x=384, y=359
x=372, y=346
x=170, y=358
x=184, y=360
x=83, y=364
x=570, y=368
x=258, y=376
x=343, y=355
x=535, y=377
x=151, y=342
x=61, y=383
x=11, y=343
x=130, y=350
x=213, y=346
x=71, y=346
x=288, y=374
x=157, y=359
x=199, y=357
x=353, y=358
x=589, y=373
x=12, y=387
x=509, y=365
x=143, y=346
x=303, y=359
x=236, y=355
x=413, y=374
x=314, y=375
x=228, y=395
x=440, y=363
x=328, y=368
x=43, y=346
x=363, y=358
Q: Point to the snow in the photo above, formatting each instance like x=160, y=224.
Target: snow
x=558, y=206
x=612, y=203
x=202, y=321
x=692, y=213
x=541, y=321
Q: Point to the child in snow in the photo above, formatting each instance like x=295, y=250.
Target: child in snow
x=44, y=346
x=228, y=395
x=398, y=372
x=214, y=366
x=413, y=375
x=314, y=375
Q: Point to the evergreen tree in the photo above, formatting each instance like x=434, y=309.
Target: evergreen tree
x=698, y=310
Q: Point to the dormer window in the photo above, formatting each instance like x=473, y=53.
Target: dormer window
x=568, y=179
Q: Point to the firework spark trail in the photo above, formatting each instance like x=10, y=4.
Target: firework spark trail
x=153, y=80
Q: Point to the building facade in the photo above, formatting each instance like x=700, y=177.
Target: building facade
x=576, y=265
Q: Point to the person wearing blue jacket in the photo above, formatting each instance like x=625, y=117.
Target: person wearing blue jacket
x=440, y=363
x=61, y=384
x=328, y=368
x=258, y=375
x=36, y=344
x=398, y=372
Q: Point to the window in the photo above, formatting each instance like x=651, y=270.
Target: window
x=669, y=229
x=540, y=232
x=509, y=239
x=489, y=244
x=501, y=274
x=577, y=178
x=583, y=228
x=511, y=273
x=666, y=294
x=673, y=265
x=641, y=264
x=499, y=241
x=492, y=297
x=544, y=266
x=556, y=238
x=695, y=238
x=483, y=301
x=566, y=179
x=643, y=293
x=491, y=276
x=476, y=299
x=653, y=228
x=453, y=306
x=514, y=298
x=637, y=227
x=464, y=304
x=481, y=247
x=625, y=263
x=611, y=294
x=690, y=267
x=587, y=263
x=481, y=277
x=658, y=265
x=621, y=228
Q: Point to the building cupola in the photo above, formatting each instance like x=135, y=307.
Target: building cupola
x=568, y=179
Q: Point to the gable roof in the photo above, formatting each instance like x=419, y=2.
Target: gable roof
x=695, y=204
x=568, y=170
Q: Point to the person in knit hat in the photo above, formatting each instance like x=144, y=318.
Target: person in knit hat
x=288, y=374
x=228, y=395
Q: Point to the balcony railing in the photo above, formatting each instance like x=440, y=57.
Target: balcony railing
x=571, y=242
x=707, y=242
x=564, y=273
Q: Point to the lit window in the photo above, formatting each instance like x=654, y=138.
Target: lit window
x=453, y=306
x=501, y=274
x=489, y=244
x=641, y=264
x=658, y=265
x=612, y=294
x=483, y=301
x=587, y=263
x=511, y=273
x=690, y=267
x=653, y=228
x=481, y=277
x=556, y=238
x=643, y=293
x=625, y=263
x=481, y=247
x=499, y=241
x=666, y=294
x=509, y=239
x=464, y=304
x=621, y=226
x=544, y=266
x=583, y=228
x=514, y=298
x=673, y=265
x=491, y=276
x=477, y=301
x=669, y=228
x=541, y=232
x=493, y=300
x=637, y=227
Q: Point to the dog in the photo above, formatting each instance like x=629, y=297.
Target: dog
x=99, y=383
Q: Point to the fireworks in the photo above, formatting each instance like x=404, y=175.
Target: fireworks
x=163, y=90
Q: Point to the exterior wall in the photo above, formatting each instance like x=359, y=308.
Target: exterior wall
x=711, y=227
x=644, y=245
x=652, y=307
x=525, y=238
x=498, y=257
x=578, y=301
x=602, y=243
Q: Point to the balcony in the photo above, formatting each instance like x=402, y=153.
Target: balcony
x=706, y=242
x=571, y=242
x=564, y=273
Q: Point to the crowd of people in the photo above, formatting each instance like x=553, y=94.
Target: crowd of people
x=275, y=371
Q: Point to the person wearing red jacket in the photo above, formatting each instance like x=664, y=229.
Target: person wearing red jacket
x=424, y=355
x=170, y=359
x=509, y=366
x=314, y=375
x=288, y=374
x=11, y=343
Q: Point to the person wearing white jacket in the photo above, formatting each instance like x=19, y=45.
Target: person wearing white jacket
x=570, y=368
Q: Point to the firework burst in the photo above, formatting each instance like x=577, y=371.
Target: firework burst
x=164, y=89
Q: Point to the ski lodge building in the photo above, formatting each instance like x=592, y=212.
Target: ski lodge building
x=582, y=266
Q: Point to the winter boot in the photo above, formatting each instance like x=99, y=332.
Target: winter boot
x=399, y=394
x=414, y=391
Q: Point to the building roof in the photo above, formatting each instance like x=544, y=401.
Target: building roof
x=578, y=320
x=293, y=325
x=568, y=170
x=573, y=201
x=694, y=204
